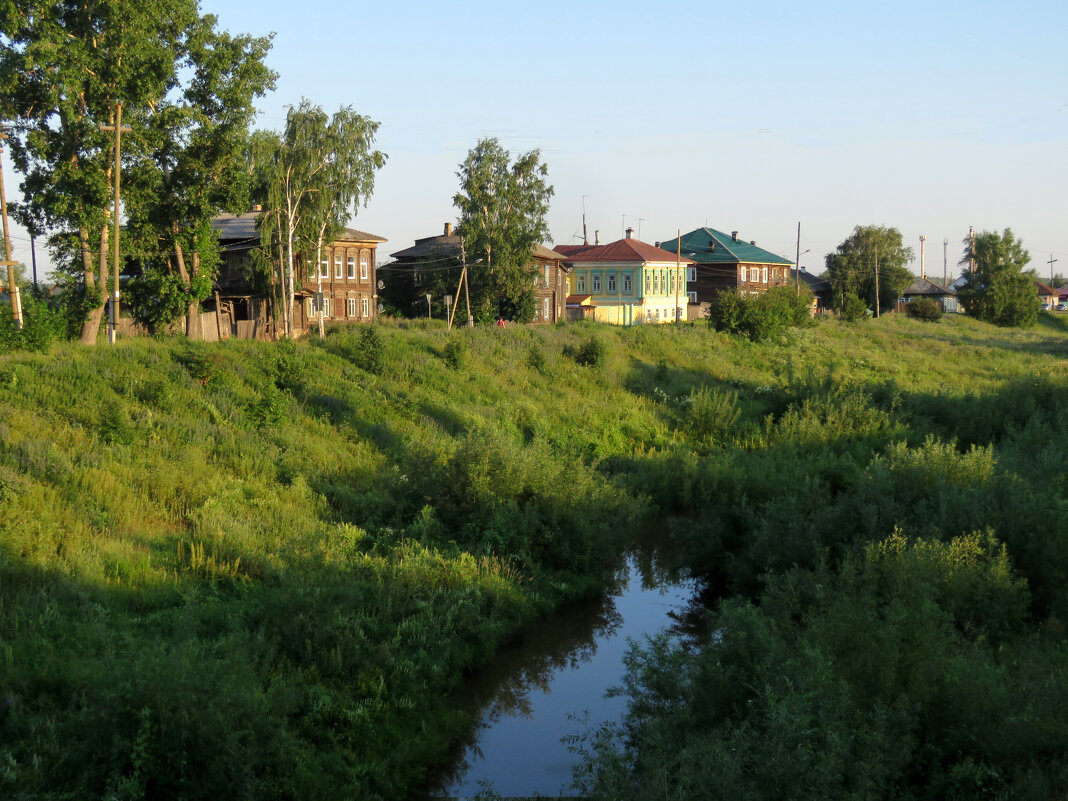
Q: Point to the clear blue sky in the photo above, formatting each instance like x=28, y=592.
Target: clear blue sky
x=929, y=117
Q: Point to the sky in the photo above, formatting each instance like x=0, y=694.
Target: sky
x=751, y=117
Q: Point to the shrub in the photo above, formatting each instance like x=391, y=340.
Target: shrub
x=368, y=355
x=591, y=353
x=925, y=309
x=852, y=309
x=455, y=353
x=759, y=317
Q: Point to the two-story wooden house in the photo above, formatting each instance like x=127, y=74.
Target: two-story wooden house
x=722, y=261
x=345, y=280
x=626, y=282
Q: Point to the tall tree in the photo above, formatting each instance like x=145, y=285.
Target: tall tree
x=503, y=205
x=321, y=172
x=998, y=290
x=194, y=142
x=851, y=269
x=64, y=64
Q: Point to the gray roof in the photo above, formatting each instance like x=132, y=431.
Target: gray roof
x=925, y=286
x=429, y=246
x=239, y=229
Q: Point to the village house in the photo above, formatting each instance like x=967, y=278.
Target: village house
x=926, y=288
x=626, y=282
x=436, y=261
x=722, y=261
x=345, y=282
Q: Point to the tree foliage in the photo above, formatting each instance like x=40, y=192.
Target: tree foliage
x=314, y=177
x=851, y=268
x=185, y=87
x=998, y=290
x=760, y=317
x=503, y=205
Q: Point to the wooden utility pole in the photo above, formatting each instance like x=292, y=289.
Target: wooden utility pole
x=113, y=317
x=797, y=261
x=13, y=287
x=678, y=264
x=1051, y=262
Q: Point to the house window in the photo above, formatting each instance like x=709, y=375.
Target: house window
x=673, y=275
x=365, y=307
x=656, y=282
x=548, y=275
x=611, y=282
x=764, y=275
x=365, y=260
x=691, y=274
x=324, y=267
x=745, y=274
x=648, y=284
x=351, y=264
x=350, y=307
x=546, y=309
x=580, y=283
x=595, y=283
x=628, y=284
x=338, y=272
x=691, y=297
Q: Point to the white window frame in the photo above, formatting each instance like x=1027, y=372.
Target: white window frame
x=547, y=309
x=350, y=307
x=745, y=274
x=365, y=307
x=580, y=283
x=339, y=272
x=350, y=262
x=764, y=275
x=628, y=284
x=364, y=267
x=595, y=283
x=691, y=274
x=691, y=297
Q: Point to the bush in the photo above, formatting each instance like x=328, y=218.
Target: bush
x=368, y=354
x=760, y=317
x=925, y=309
x=455, y=353
x=591, y=353
x=852, y=309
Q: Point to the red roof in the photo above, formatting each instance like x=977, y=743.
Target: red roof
x=620, y=250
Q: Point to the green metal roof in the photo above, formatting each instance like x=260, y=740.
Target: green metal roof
x=709, y=246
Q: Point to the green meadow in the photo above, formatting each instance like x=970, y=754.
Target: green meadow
x=258, y=570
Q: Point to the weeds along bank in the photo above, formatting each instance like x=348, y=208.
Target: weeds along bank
x=254, y=571
x=890, y=545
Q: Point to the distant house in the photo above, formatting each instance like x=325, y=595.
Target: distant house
x=436, y=257
x=722, y=261
x=945, y=297
x=626, y=282
x=819, y=286
x=344, y=282
x=1047, y=295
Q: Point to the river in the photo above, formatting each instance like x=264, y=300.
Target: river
x=552, y=682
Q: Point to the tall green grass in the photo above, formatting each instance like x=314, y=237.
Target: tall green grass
x=254, y=570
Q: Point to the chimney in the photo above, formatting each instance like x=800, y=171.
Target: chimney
x=734, y=235
x=630, y=233
x=448, y=229
x=596, y=237
x=752, y=241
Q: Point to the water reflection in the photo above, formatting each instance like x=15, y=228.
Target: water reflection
x=539, y=687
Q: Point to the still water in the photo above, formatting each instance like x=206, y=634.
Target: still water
x=552, y=682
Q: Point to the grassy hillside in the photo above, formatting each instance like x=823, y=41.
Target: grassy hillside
x=250, y=570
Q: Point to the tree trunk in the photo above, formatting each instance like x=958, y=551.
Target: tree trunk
x=93, y=292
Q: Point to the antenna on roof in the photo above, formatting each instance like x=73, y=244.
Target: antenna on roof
x=585, y=240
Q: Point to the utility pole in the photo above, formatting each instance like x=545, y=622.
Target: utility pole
x=945, y=262
x=923, y=252
x=1051, y=262
x=13, y=287
x=797, y=261
x=678, y=279
x=585, y=241
x=118, y=128
x=971, y=249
